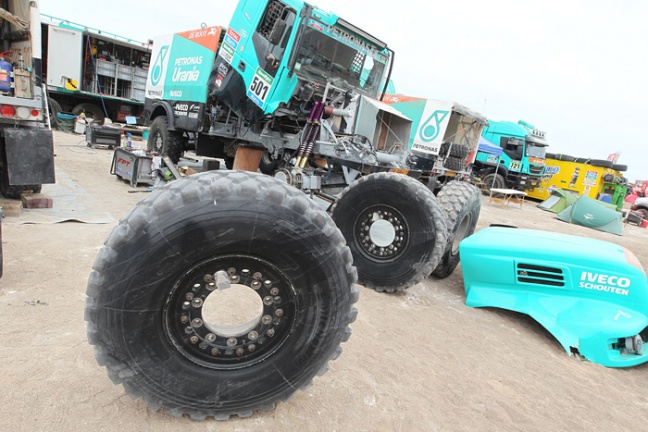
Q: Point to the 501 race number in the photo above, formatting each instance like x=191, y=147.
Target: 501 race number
x=260, y=86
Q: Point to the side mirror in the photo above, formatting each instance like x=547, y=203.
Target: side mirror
x=277, y=32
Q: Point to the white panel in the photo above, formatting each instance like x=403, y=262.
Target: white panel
x=63, y=56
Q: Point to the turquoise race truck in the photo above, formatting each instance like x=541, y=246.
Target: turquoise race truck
x=304, y=85
x=522, y=162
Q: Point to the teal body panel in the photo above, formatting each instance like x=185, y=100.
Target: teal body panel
x=588, y=293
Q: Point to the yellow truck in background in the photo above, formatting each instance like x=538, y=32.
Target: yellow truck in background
x=595, y=178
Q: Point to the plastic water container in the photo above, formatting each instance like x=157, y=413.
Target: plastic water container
x=5, y=76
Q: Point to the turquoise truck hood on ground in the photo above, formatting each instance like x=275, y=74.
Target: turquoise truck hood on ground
x=589, y=294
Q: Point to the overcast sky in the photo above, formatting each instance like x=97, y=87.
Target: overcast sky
x=576, y=69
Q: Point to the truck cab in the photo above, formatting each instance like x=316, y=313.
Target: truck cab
x=257, y=83
x=522, y=162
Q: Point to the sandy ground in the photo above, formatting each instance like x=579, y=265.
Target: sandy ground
x=416, y=362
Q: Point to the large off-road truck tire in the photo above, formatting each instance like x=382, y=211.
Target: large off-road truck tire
x=54, y=108
x=220, y=294
x=461, y=202
x=91, y=111
x=493, y=181
x=165, y=142
x=395, y=228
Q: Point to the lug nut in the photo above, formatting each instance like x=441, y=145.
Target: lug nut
x=266, y=319
x=211, y=286
x=196, y=322
x=257, y=276
x=194, y=339
x=208, y=278
x=278, y=312
x=231, y=341
x=274, y=291
x=210, y=337
x=186, y=305
x=271, y=332
x=196, y=287
x=197, y=302
x=267, y=300
x=253, y=335
x=267, y=283
x=189, y=296
x=240, y=352
x=252, y=347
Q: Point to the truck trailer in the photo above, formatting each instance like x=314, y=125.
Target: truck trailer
x=93, y=71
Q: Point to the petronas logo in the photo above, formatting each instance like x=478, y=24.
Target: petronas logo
x=430, y=129
x=156, y=73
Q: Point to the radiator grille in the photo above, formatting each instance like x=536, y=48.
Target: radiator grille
x=536, y=169
x=540, y=275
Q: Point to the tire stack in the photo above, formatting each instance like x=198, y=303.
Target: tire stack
x=456, y=155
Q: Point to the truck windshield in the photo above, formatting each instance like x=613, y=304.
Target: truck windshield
x=536, y=151
x=333, y=55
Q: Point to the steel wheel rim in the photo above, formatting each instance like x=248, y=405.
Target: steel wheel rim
x=158, y=142
x=200, y=342
x=377, y=246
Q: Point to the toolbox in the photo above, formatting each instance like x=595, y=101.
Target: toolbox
x=103, y=135
x=132, y=167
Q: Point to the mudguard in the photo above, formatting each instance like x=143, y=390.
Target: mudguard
x=591, y=295
x=30, y=155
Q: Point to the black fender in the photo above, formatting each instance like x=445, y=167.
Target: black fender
x=155, y=108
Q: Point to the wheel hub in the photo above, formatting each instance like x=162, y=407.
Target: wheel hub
x=202, y=335
x=158, y=143
x=381, y=233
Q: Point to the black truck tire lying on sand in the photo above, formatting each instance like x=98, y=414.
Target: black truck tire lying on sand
x=148, y=296
x=163, y=141
x=395, y=228
x=461, y=202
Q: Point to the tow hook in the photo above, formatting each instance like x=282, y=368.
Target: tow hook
x=634, y=344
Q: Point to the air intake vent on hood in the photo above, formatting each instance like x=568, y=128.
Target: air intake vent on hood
x=540, y=275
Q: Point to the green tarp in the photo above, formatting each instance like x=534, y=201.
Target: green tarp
x=593, y=214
